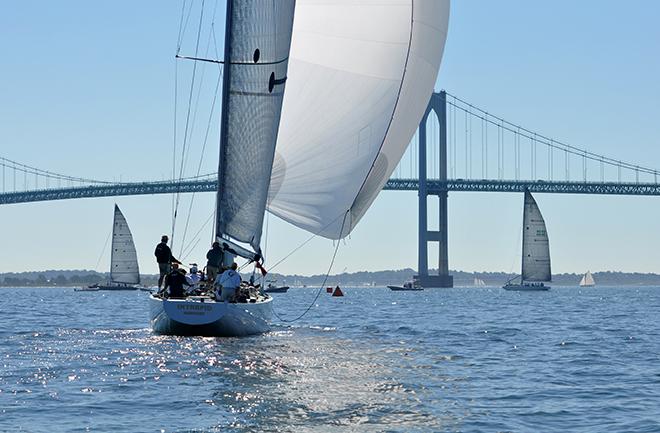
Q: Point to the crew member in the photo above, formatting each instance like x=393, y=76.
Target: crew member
x=174, y=281
x=227, y=283
x=164, y=258
x=214, y=259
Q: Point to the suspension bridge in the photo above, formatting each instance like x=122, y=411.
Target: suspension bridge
x=453, y=151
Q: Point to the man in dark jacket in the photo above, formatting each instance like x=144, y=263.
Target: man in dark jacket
x=214, y=261
x=175, y=281
x=164, y=258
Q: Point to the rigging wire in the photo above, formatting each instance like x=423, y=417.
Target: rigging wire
x=96, y=268
x=183, y=25
x=307, y=241
x=210, y=119
x=201, y=80
x=547, y=141
x=188, y=248
x=185, y=134
x=176, y=99
x=325, y=280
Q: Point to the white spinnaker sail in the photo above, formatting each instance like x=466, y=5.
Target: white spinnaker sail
x=257, y=41
x=123, y=258
x=536, y=247
x=361, y=73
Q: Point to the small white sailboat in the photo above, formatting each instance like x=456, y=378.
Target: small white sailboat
x=587, y=280
x=124, y=269
x=358, y=77
x=478, y=282
x=535, y=270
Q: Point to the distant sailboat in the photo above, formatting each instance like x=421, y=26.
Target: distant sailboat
x=587, y=280
x=124, y=269
x=535, y=250
x=478, y=282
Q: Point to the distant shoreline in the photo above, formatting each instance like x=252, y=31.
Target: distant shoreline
x=78, y=278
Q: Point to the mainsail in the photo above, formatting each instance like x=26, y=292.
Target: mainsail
x=257, y=42
x=123, y=257
x=361, y=73
x=535, y=248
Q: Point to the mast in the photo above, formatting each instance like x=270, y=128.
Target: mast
x=257, y=42
x=522, y=247
x=224, y=113
x=112, y=243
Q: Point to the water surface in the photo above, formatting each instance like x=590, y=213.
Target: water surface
x=464, y=359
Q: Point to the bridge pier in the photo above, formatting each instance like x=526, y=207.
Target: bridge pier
x=437, y=104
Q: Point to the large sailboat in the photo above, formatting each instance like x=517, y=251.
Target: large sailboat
x=535, y=272
x=124, y=269
x=587, y=280
x=358, y=76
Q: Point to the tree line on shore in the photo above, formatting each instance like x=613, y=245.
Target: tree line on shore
x=72, y=278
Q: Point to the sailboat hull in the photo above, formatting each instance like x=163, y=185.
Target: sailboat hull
x=282, y=289
x=209, y=318
x=525, y=287
x=117, y=287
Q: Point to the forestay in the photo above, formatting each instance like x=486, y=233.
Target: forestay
x=257, y=41
x=536, y=248
x=123, y=258
x=361, y=73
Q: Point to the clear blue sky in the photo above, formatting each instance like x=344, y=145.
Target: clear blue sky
x=87, y=89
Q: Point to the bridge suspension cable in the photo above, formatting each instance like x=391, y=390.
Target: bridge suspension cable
x=507, y=131
x=14, y=167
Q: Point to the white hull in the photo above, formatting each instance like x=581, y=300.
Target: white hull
x=86, y=289
x=525, y=287
x=405, y=289
x=118, y=287
x=205, y=317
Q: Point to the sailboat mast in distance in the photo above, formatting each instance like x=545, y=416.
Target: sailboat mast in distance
x=257, y=41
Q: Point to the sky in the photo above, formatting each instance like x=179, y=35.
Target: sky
x=87, y=89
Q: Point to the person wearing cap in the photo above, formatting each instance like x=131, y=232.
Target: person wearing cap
x=164, y=258
x=214, y=261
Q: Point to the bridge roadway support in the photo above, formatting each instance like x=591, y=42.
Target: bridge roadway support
x=438, y=105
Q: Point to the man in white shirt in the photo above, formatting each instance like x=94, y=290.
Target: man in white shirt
x=227, y=283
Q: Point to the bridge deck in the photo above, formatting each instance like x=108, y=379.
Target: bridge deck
x=434, y=187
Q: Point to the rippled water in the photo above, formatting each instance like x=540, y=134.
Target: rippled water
x=444, y=360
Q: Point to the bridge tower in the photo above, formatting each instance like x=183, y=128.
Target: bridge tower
x=437, y=105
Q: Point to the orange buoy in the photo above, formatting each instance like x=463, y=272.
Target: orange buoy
x=328, y=289
x=337, y=292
